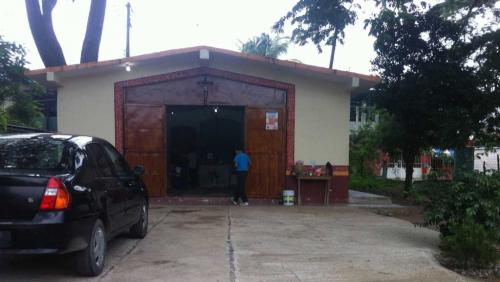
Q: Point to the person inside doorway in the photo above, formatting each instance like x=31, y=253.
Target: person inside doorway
x=242, y=164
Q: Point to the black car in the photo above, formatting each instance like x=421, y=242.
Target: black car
x=64, y=193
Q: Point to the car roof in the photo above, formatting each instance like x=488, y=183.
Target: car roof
x=79, y=140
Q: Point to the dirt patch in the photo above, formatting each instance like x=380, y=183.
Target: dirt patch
x=486, y=274
x=183, y=211
x=413, y=214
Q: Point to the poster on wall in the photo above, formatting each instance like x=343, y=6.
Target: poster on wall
x=272, y=121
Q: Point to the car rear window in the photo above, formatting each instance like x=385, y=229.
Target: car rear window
x=35, y=153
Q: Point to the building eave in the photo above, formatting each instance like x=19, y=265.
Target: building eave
x=49, y=76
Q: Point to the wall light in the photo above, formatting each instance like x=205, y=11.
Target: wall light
x=128, y=68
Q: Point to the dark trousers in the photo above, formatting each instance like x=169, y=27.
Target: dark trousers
x=241, y=178
x=193, y=176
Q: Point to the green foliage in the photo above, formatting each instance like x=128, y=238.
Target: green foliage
x=363, y=150
x=265, y=45
x=470, y=244
x=440, y=78
x=319, y=21
x=475, y=195
x=368, y=142
x=17, y=93
x=3, y=120
x=25, y=110
x=459, y=206
x=440, y=75
x=375, y=185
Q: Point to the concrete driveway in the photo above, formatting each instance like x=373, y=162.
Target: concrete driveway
x=258, y=243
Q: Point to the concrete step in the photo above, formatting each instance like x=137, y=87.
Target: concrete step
x=362, y=198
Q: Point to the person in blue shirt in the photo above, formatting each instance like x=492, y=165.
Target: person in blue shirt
x=242, y=164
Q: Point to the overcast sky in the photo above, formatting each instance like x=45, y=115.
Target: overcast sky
x=159, y=25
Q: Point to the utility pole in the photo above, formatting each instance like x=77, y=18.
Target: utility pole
x=127, y=48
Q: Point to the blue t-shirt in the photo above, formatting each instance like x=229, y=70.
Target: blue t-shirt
x=242, y=161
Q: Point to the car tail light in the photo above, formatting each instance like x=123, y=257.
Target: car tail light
x=56, y=196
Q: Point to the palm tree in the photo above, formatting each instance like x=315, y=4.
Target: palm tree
x=265, y=45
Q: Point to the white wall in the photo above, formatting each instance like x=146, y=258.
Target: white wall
x=488, y=157
x=86, y=106
x=399, y=173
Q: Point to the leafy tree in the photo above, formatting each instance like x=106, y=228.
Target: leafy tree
x=367, y=143
x=320, y=21
x=40, y=21
x=265, y=45
x=364, y=148
x=17, y=105
x=439, y=75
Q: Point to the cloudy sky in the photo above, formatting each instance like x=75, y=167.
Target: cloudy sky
x=159, y=25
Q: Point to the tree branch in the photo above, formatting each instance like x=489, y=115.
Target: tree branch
x=92, y=40
x=43, y=32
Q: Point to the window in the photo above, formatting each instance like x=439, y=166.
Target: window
x=101, y=161
x=117, y=162
x=35, y=153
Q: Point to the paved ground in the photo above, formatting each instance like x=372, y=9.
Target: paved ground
x=258, y=243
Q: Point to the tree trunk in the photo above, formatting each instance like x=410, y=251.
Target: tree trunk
x=43, y=32
x=92, y=40
x=464, y=161
x=334, y=46
x=409, y=159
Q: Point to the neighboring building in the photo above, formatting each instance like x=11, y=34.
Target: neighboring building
x=486, y=160
x=161, y=107
x=362, y=113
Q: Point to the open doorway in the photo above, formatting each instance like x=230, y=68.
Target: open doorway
x=201, y=141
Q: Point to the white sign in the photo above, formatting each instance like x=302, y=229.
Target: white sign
x=272, y=121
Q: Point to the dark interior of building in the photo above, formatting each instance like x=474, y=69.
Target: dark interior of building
x=201, y=141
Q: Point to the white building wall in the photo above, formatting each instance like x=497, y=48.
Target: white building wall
x=486, y=159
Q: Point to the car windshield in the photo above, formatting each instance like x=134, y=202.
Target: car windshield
x=35, y=153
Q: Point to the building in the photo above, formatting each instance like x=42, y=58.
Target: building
x=181, y=113
x=362, y=113
x=487, y=160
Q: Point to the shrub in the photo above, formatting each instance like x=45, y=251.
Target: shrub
x=470, y=244
x=372, y=184
x=467, y=211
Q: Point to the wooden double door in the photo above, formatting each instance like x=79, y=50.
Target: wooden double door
x=145, y=144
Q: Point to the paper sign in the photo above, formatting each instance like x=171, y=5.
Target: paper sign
x=272, y=121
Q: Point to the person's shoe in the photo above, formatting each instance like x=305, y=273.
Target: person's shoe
x=244, y=204
x=234, y=202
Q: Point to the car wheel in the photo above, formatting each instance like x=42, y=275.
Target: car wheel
x=140, y=229
x=90, y=262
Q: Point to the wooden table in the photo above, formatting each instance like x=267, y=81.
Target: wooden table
x=326, y=179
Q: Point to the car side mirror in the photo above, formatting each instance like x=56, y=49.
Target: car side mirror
x=138, y=170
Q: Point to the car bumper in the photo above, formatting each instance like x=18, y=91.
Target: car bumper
x=47, y=233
